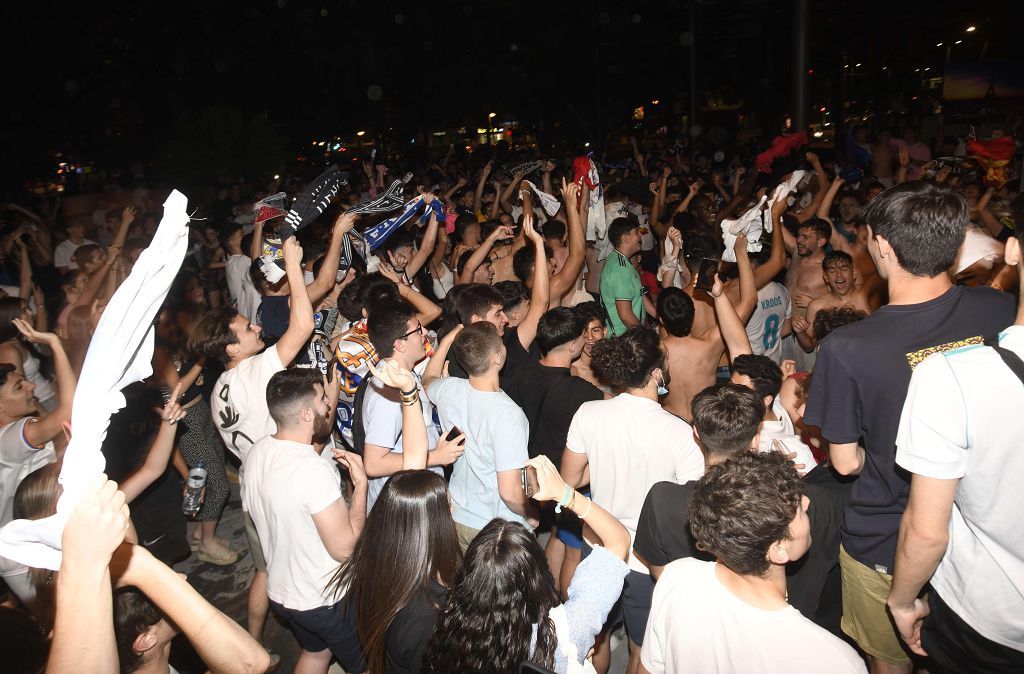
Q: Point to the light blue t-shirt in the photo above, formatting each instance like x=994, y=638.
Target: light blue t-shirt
x=382, y=422
x=496, y=436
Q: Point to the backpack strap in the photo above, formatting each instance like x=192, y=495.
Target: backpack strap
x=358, y=431
x=1012, y=360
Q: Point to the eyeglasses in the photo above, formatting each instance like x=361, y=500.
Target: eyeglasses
x=418, y=328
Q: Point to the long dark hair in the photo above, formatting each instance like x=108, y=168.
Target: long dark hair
x=11, y=308
x=409, y=540
x=502, y=589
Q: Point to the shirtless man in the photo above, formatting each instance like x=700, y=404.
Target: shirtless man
x=865, y=272
x=837, y=272
x=697, y=353
x=596, y=318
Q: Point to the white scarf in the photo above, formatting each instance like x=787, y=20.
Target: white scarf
x=748, y=224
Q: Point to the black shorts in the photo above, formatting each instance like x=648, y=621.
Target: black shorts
x=637, y=592
x=328, y=627
x=956, y=647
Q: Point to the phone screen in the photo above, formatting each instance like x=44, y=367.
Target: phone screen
x=529, y=478
x=706, y=274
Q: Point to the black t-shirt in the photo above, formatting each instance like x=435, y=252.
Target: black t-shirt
x=274, y=315
x=410, y=631
x=156, y=512
x=549, y=396
x=860, y=383
x=515, y=357
x=663, y=530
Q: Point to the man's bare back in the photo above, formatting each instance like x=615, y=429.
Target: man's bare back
x=692, y=362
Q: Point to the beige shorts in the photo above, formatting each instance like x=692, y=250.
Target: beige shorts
x=865, y=617
x=465, y=535
x=255, y=550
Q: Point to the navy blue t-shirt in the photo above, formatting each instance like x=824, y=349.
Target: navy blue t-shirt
x=860, y=383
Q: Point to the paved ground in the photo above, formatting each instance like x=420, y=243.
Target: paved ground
x=226, y=587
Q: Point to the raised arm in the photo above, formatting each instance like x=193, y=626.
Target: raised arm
x=435, y=366
x=777, y=260
x=551, y=487
x=300, y=319
x=219, y=641
x=426, y=249
x=510, y=190
x=324, y=281
x=256, y=246
x=481, y=253
x=48, y=426
x=731, y=323
x=564, y=281
x=159, y=452
x=478, y=195
x=539, y=295
x=426, y=311
x=807, y=213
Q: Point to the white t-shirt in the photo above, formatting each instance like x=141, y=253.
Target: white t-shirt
x=286, y=483
x=247, y=298
x=961, y=421
x=697, y=625
x=239, y=402
x=382, y=421
x=64, y=250
x=631, y=443
x=765, y=325
x=17, y=459
x=497, y=433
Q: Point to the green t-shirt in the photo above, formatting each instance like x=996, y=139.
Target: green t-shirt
x=619, y=281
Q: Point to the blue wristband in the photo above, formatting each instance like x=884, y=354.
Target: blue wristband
x=565, y=499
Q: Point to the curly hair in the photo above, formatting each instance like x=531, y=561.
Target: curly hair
x=828, y=321
x=503, y=588
x=627, y=361
x=765, y=374
x=742, y=506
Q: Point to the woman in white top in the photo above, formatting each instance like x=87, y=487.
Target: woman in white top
x=22, y=355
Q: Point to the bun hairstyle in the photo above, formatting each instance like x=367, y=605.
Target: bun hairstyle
x=627, y=361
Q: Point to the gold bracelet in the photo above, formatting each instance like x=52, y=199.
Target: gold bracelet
x=572, y=500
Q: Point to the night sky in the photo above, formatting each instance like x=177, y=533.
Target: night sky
x=111, y=83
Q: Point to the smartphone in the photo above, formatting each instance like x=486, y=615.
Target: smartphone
x=454, y=433
x=706, y=274
x=529, y=478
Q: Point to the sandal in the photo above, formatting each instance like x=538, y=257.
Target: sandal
x=219, y=556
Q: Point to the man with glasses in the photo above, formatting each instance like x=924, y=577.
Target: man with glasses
x=396, y=334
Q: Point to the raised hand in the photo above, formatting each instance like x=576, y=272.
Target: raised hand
x=812, y=158
x=128, y=215
x=392, y=374
x=788, y=367
x=354, y=464
x=33, y=335
x=292, y=252
x=529, y=230
x=550, y=485
x=717, y=287
x=571, y=195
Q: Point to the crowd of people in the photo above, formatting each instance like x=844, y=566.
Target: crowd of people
x=740, y=413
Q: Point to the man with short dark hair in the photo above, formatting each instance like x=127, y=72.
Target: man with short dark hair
x=731, y=614
x=843, y=291
x=305, y=527
x=485, y=482
x=621, y=290
x=861, y=379
x=959, y=436
x=398, y=335
x=239, y=401
x=726, y=421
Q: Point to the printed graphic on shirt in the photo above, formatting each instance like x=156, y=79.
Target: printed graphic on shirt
x=229, y=416
x=354, y=353
x=917, y=357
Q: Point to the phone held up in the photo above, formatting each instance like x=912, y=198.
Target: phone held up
x=529, y=478
x=706, y=274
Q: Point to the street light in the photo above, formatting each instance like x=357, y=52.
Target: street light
x=971, y=29
x=490, y=117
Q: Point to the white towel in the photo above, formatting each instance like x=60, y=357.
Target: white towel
x=781, y=192
x=120, y=353
x=749, y=224
x=547, y=202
